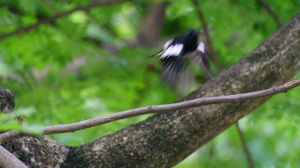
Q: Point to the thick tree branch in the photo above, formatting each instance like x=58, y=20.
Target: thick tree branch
x=7, y=100
x=63, y=128
x=8, y=160
x=41, y=152
x=58, y=16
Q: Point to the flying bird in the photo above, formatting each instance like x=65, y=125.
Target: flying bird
x=173, y=53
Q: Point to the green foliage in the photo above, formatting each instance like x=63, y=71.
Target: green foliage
x=10, y=121
x=109, y=80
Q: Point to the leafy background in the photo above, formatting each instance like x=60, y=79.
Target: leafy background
x=82, y=66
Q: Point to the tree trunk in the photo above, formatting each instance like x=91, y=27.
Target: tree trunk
x=152, y=24
x=164, y=140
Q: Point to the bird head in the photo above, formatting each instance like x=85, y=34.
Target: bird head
x=193, y=33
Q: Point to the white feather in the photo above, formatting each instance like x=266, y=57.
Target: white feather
x=173, y=50
x=201, y=47
x=177, y=49
x=167, y=52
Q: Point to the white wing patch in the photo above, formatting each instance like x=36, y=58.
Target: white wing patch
x=201, y=47
x=173, y=50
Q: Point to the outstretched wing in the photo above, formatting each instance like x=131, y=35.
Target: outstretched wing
x=172, y=61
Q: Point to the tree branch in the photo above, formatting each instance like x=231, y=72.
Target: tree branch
x=269, y=10
x=8, y=160
x=63, y=128
x=244, y=145
x=152, y=24
x=57, y=16
x=206, y=33
x=165, y=139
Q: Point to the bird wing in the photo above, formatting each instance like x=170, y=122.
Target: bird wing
x=171, y=56
x=172, y=50
x=166, y=46
x=203, y=54
x=172, y=67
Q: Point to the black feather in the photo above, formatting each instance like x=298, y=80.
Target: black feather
x=173, y=64
x=172, y=56
x=205, y=60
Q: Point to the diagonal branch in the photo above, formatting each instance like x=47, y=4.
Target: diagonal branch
x=269, y=10
x=8, y=160
x=206, y=33
x=244, y=145
x=58, y=16
x=63, y=128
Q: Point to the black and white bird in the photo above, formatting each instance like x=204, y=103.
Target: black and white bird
x=173, y=52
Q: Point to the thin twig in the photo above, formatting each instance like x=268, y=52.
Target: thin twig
x=245, y=146
x=63, y=128
x=206, y=33
x=57, y=16
x=8, y=160
x=269, y=10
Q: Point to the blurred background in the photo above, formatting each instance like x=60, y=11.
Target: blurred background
x=68, y=61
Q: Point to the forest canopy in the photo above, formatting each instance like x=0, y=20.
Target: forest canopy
x=94, y=61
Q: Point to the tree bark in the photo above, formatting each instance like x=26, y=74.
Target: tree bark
x=164, y=140
x=152, y=24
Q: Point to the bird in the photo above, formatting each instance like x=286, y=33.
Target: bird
x=173, y=53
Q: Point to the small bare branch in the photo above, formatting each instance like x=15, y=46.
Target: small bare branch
x=206, y=33
x=58, y=16
x=269, y=10
x=63, y=128
x=244, y=145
